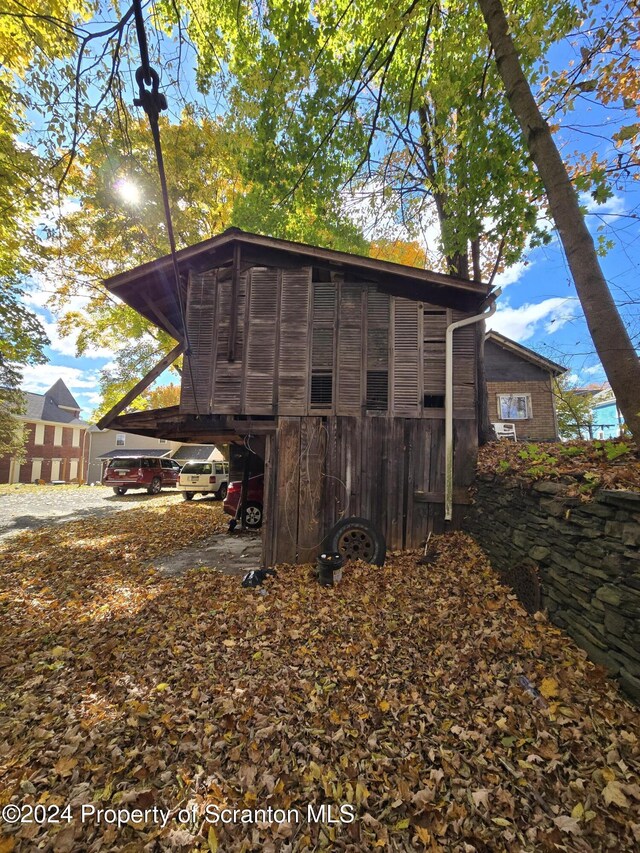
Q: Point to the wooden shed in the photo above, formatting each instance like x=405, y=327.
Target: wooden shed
x=329, y=368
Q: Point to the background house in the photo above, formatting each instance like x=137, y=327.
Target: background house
x=520, y=388
x=105, y=444
x=327, y=370
x=607, y=419
x=57, y=447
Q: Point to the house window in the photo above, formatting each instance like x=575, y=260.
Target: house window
x=120, y=439
x=75, y=441
x=514, y=407
x=57, y=437
x=38, y=437
x=162, y=441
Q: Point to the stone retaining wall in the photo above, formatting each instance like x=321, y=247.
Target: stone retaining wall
x=585, y=555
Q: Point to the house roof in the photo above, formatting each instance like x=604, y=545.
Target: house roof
x=525, y=353
x=150, y=288
x=120, y=453
x=195, y=452
x=47, y=407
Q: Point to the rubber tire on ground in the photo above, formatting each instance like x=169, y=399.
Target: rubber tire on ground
x=188, y=496
x=155, y=487
x=357, y=538
x=222, y=492
x=252, y=518
x=119, y=490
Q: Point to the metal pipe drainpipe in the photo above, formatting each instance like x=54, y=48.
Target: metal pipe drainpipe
x=448, y=402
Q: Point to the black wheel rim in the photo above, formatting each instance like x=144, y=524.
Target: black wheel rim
x=356, y=544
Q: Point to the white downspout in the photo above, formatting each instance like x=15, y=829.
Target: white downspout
x=448, y=403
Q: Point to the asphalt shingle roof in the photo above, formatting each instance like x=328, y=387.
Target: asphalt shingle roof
x=120, y=453
x=194, y=452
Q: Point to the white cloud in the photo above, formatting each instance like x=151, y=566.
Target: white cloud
x=40, y=378
x=512, y=274
x=522, y=323
x=613, y=207
x=67, y=345
x=594, y=370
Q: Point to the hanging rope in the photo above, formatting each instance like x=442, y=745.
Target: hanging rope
x=154, y=102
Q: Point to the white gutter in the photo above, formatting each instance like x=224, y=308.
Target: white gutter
x=448, y=403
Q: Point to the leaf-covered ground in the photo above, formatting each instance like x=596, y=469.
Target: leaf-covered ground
x=584, y=465
x=398, y=692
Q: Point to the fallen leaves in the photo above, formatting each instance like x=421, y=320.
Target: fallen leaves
x=120, y=686
x=583, y=465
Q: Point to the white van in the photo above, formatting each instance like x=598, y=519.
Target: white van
x=203, y=478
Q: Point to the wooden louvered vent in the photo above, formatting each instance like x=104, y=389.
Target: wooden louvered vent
x=349, y=363
x=227, y=385
x=377, y=391
x=198, y=367
x=464, y=366
x=293, y=357
x=435, y=321
x=262, y=342
x=322, y=350
x=407, y=352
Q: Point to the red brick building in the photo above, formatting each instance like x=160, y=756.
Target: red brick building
x=57, y=446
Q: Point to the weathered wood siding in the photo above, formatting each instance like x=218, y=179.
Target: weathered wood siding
x=389, y=470
x=297, y=347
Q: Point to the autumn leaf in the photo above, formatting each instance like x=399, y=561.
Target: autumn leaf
x=613, y=793
x=567, y=824
x=212, y=840
x=549, y=687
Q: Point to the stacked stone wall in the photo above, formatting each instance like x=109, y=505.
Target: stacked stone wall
x=586, y=557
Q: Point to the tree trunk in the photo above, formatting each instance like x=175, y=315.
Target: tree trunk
x=610, y=337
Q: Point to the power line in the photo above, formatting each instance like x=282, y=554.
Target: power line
x=154, y=102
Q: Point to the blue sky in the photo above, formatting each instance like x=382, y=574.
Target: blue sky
x=538, y=306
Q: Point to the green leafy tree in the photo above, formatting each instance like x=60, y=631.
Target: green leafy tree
x=608, y=332
x=574, y=410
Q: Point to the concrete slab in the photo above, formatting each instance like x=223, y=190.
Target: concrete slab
x=231, y=553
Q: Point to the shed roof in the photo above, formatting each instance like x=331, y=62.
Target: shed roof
x=525, y=353
x=197, y=453
x=120, y=453
x=150, y=288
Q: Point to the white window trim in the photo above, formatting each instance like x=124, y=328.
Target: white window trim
x=526, y=397
x=58, y=432
x=75, y=439
x=123, y=436
x=38, y=434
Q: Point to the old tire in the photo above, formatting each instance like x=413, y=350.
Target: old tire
x=222, y=492
x=156, y=485
x=119, y=490
x=357, y=539
x=252, y=515
x=188, y=496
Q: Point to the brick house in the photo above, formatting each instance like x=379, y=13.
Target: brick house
x=520, y=388
x=57, y=446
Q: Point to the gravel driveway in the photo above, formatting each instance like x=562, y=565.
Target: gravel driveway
x=29, y=507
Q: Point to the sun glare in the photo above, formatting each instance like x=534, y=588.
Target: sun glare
x=128, y=191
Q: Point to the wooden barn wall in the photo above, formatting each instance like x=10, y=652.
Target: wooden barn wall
x=363, y=352
x=389, y=470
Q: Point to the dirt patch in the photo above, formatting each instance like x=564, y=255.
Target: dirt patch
x=233, y=554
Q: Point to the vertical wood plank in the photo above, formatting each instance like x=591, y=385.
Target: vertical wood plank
x=312, y=464
x=287, y=489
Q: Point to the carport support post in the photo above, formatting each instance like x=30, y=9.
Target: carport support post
x=244, y=491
